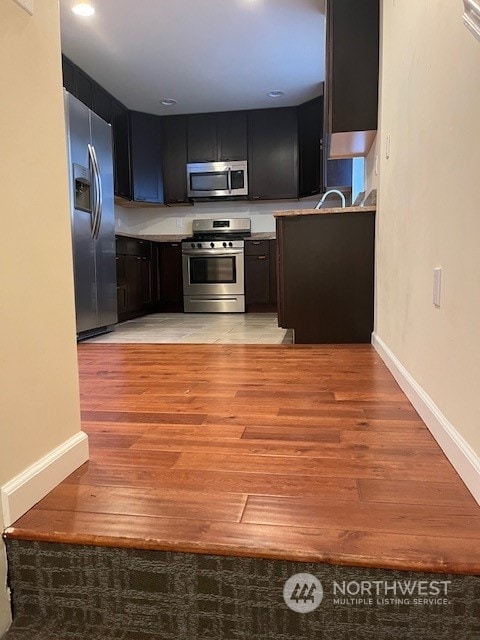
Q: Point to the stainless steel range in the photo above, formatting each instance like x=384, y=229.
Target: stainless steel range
x=213, y=266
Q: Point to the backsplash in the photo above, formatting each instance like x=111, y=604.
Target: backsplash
x=163, y=220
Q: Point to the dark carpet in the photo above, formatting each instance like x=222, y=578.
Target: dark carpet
x=78, y=592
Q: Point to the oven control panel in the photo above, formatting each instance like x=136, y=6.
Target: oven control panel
x=213, y=245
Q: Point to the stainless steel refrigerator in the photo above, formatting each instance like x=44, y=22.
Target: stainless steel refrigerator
x=89, y=143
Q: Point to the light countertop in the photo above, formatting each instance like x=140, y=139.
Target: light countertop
x=261, y=235
x=323, y=211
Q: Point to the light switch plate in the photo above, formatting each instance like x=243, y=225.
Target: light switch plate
x=26, y=4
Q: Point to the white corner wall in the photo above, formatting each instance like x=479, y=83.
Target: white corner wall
x=39, y=411
x=429, y=209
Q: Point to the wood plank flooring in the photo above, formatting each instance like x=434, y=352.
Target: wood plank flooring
x=295, y=452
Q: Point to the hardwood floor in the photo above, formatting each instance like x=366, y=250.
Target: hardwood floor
x=296, y=452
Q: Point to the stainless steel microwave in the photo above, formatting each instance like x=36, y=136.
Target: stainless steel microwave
x=217, y=179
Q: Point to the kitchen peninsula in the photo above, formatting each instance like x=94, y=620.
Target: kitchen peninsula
x=326, y=273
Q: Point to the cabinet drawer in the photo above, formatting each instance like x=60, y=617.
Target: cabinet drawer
x=133, y=247
x=257, y=247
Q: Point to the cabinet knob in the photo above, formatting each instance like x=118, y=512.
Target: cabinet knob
x=262, y=257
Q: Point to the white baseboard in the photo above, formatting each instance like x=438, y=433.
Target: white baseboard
x=456, y=448
x=30, y=486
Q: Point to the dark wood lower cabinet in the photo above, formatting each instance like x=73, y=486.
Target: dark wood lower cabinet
x=260, y=275
x=150, y=278
x=325, y=280
x=135, y=277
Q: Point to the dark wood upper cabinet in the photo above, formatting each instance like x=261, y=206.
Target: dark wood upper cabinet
x=273, y=153
x=146, y=157
x=310, y=153
x=352, y=71
x=102, y=103
x=174, y=151
x=202, y=137
x=121, y=149
x=232, y=136
x=151, y=152
x=84, y=88
x=214, y=137
x=68, y=73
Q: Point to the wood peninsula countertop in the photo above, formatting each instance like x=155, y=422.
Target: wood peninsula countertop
x=323, y=211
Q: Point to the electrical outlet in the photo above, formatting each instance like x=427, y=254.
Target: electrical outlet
x=27, y=5
x=437, y=285
x=179, y=223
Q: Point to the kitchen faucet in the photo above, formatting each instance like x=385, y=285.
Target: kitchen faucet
x=327, y=193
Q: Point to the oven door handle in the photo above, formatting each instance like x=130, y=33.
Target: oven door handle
x=212, y=252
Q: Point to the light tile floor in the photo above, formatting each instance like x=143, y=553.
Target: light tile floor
x=202, y=328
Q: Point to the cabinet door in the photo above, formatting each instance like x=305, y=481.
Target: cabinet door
x=202, y=137
x=273, y=153
x=257, y=279
x=132, y=276
x=174, y=152
x=146, y=154
x=102, y=103
x=121, y=284
x=145, y=281
x=84, y=88
x=121, y=149
x=155, y=272
x=68, y=73
x=171, y=280
x=232, y=132
x=352, y=70
x=310, y=132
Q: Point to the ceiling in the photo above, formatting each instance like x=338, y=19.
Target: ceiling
x=209, y=55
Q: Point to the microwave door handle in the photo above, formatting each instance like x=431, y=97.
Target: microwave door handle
x=230, y=180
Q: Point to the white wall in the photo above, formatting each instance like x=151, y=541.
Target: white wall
x=39, y=410
x=163, y=220
x=429, y=204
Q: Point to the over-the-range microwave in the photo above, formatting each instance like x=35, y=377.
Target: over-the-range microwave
x=217, y=179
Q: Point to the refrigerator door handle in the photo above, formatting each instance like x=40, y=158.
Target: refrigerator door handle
x=97, y=207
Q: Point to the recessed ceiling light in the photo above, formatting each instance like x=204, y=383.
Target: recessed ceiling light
x=83, y=9
x=168, y=102
x=276, y=93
